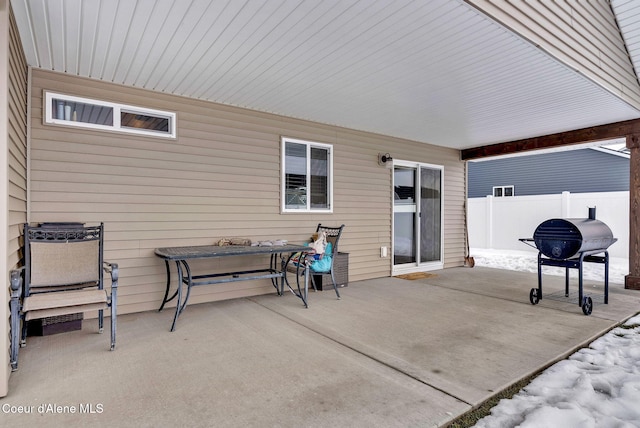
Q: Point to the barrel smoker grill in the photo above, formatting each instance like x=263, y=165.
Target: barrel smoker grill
x=568, y=243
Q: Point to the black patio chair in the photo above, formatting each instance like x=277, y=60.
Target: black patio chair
x=333, y=236
x=62, y=275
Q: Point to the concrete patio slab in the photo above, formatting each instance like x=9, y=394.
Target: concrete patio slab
x=228, y=364
x=468, y=332
x=391, y=352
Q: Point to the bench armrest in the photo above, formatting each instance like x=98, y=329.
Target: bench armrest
x=16, y=282
x=112, y=268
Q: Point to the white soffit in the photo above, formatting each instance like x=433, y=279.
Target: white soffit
x=434, y=71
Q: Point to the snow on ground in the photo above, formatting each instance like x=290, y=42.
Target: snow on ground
x=527, y=261
x=598, y=386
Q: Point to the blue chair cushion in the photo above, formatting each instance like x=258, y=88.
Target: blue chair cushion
x=323, y=265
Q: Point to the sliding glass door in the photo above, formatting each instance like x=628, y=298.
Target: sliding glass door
x=417, y=216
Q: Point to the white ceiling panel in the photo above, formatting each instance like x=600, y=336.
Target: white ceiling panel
x=433, y=71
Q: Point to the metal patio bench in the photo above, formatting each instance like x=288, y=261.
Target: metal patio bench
x=63, y=274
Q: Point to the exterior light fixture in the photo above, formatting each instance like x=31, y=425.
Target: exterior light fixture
x=383, y=158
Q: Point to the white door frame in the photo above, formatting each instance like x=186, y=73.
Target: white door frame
x=417, y=266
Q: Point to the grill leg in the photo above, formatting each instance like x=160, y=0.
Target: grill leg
x=566, y=282
x=540, y=275
x=580, y=281
x=606, y=277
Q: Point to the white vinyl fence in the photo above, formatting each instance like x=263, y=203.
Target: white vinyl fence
x=498, y=223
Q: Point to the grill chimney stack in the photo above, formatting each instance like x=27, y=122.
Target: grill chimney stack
x=592, y=213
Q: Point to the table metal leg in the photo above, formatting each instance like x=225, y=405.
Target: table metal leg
x=279, y=282
x=179, y=295
x=306, y=286
x=303, y=291
x=188, y=282
x=284, y=280
x=165, y=300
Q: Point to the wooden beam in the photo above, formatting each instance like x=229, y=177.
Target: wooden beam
x=632, y=281
x=629, y=129
x=585, y=135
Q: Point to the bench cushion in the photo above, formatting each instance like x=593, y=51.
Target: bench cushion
x=62, y=303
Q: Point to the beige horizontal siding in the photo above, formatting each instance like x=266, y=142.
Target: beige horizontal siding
x=14, y=94
x=219, y=178
x=16, y=142
x=582, y=34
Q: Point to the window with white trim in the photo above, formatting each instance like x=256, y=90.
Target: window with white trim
x=502, y=191
x=307, y=176
x=103, y=115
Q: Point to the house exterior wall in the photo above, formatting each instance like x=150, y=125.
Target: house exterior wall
x=582, y=34
x=13, y=114
x=575, y=171
x=219, y=178
x=17, y=144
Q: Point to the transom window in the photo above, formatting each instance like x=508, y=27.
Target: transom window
x=307, y=176
x=102, y=115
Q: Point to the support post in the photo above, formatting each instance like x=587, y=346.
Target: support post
x=632, y=281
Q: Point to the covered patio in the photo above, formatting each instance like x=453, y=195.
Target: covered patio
x=432, y=83
x=391, y=353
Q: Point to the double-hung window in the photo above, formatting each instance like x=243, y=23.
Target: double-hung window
x=307, y=176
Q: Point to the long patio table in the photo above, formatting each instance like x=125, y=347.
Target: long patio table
x=281, y=256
